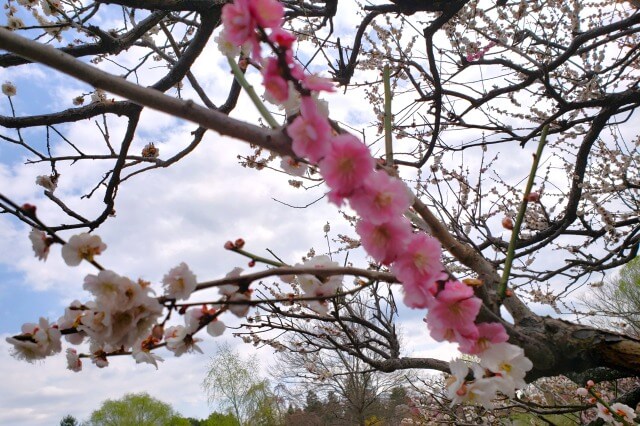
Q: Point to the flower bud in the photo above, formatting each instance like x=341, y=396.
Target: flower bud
x=239, y=243
x=229, y=245
x=533, y=197
x=157, y=332
x=582, y=392
x=507, y=223
x=29, y=210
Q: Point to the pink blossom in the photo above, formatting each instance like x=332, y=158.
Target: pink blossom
x=419, y=265
x=488, y=333
x=282, y=38
x=384, y=241
x=456, y=307
x=239, y=23
x=276, y=86
x=317, y=83
x=310, y=132
x=267, y=13
x=347, y=164
x=418, y=295
x=381, y=199
x=452, y=312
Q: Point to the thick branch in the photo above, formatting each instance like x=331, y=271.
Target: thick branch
x=273, y=140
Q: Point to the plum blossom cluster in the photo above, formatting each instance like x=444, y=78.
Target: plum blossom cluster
x=40, y=9
x=123, y=316
x=502, y=368
x=312, y=286
x=380, y=200
x=617, y=413
x=479, y=54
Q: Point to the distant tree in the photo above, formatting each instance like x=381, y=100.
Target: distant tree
x=313, y=402
x=134, y=410
x=180, y=421
x=232, y=383
x=219, y=419
x=354, y=391
x=69, y=420
x=616, y=302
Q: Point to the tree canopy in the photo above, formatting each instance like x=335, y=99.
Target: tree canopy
x=133, y=409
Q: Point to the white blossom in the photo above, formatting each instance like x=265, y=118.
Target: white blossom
x=312, y=285
x=37, y=341
x=123, y=311
x=98, y=355
x=240, y=310
x=8, y=88
x=179, y=340
x=293, y=167
x=82, y=246
x=481, y=390
x=180, y=282
x=74, y=363
x=226, y=47
x=216, y=328
x=143, y=355
x=51, y=7
x=47, y=182
x=98, y=96
x=229, y=289
x=624, y=411
x=13, y=23
x=509, y=363
x=40, y=243
x=71, y=319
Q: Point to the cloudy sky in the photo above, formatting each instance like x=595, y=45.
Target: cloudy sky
x=181, y=214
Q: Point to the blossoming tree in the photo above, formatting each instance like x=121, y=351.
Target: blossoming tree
x=444, y=197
